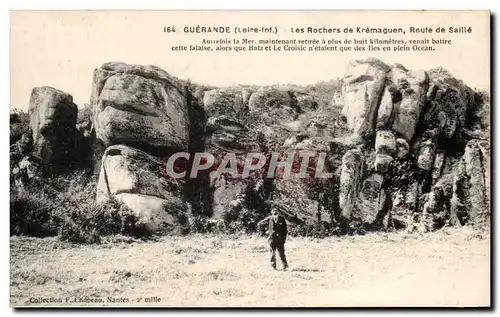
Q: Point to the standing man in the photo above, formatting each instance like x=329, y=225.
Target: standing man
x=277, y=229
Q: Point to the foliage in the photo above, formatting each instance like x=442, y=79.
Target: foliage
x=250, y=207
x=19, y=124
x=66, y=206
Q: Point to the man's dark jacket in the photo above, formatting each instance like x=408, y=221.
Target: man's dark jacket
x=277, y=228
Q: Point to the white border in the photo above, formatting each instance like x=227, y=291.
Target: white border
x=7, y=5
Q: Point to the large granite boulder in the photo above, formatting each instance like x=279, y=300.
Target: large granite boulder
x=303, y=200
x=459, y=200
x=52, y=121
x=141, y=106
x=363, y=87
x=350, y=181
x=403, y=146
x=384, y=115
x=141, y=182
x=478, y=190
x=371, y=199
x=450, y=96
x=412, y=89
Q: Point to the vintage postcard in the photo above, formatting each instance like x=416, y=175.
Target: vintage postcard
x=250, y=159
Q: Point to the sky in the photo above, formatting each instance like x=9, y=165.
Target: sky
x=62, y=48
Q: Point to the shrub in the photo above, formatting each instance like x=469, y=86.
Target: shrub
x=19, y=124
x=31, y=214
x=65, y=206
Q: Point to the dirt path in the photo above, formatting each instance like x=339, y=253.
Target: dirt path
x=447, y=268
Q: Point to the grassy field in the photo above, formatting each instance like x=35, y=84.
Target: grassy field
x=446, y=268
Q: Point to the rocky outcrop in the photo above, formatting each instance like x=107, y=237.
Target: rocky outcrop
x=371, y=199
x=402, y=146
x=417, y=119
x=364, y=84
x=139, y=180
x=225, y=133
x=385, y=110
x=52, y=122
x=404, y=206
x=140, y=106
x=435, y=210
x=232, y=102
x=477, y=189
x=350, y=181
x=227, y=193
x=459, y=200
x=273, y=105
x=229, y=135
x=411, y=87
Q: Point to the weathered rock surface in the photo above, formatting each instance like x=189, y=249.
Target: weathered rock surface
x=438, y=166
x=52, y=122
x=459, y=200
x=141, y=106
x=350, y=181
x=384, y=116
x=230, y=135
x=382, y=163
x=474, y=168
x=226, y=195
x=484, y=147
x=385, y=143
x=426, y=155
x=450, y=96
x=297, y=201
x=412, y=86
x=404, y=147
x=371, y=199
x=305, y=102
x=226, y=101
x=273, y=105
x=363, y=87
x=404, y=204
x=139, y=180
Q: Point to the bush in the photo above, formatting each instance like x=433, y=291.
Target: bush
x=203, y=224
x=19, y=124
x=65, y=206
x=32, y=215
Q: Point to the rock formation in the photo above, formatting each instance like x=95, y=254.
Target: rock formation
x=140, y=181
x=141, y=106
x=401, y=146
x=52, y=122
